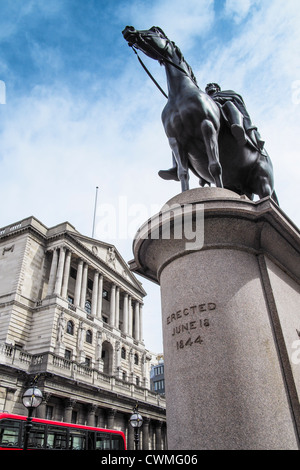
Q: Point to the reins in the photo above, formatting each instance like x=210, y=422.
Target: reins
x=148, y=73
x=163, y=59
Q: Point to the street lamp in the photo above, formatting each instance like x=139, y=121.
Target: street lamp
x=32, y=398
x=136, y=422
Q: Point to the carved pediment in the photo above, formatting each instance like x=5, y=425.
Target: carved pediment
x=110, y=256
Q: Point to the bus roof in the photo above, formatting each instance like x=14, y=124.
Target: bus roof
x=7, y=415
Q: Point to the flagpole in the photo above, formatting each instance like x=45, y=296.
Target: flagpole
x=95, y=211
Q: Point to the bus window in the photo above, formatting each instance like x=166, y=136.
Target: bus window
x=77, y=440
x=102, y=441
x=117, y=442
x=36, y=436
x=56, y=438
x=9, y=433
x=91, y=440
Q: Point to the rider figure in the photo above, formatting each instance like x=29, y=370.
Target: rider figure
x=237, y=115
x=235, y=112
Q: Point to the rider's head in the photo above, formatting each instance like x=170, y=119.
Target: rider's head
x=212, y=88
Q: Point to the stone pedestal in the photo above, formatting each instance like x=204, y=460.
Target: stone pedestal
x=231, y=319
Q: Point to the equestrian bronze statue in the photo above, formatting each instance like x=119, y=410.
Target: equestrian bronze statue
x=210, y=133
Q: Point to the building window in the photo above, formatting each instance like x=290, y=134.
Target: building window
x=123, y=353
x=70, y=300
x=158, y=370
x=105, y=294
x=88, y=306
x=73, y=273
x=89, y=336
x=49, y=412
x=68, y=354
x=70, y=327
x=159, y=385
x=87, y=362
x=136, y=359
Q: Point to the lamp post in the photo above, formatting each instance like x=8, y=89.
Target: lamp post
x=32, y=398
x=136, y=422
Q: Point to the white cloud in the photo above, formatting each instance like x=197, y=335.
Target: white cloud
x=183, y=22
x=239, y=9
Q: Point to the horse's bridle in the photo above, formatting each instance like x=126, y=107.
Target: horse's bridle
x=142, y=36
x=162, y=58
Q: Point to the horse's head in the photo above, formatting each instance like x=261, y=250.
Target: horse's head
x=153, y=42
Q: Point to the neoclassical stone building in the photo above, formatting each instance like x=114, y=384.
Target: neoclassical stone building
x=71, y=311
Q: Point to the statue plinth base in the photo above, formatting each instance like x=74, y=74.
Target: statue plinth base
x=230, y=316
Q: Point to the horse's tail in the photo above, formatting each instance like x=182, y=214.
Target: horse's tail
x=274, y=197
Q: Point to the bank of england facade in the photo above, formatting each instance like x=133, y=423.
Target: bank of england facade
x=71, y=314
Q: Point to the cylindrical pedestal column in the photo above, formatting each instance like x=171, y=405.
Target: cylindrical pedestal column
x=230, y=382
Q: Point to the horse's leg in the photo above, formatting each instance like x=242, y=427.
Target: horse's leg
x=262, y=179
x=182, y=163
x=210, y=137
x=265, y=188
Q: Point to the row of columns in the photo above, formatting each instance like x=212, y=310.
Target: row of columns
x=151, y=432
x=58, y=284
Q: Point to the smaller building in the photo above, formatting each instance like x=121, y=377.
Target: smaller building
x=157, y=377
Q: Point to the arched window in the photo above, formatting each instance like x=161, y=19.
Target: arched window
x=123, y=353
x=136, y=359
x=70, y=327
x=89, y=336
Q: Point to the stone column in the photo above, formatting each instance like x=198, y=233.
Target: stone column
x=91, y=415
x=95, y=294
x=158, y=435
x=78, y=282
x=141, y=323
x=60, y=270
x=137, y=320
x=66, y=275
x=53, y=271
x=117, y=314
x=230, y=313
x=69, y=404
x=41, y=410
x=129, y=315
x=112, y=310
x=84, y=285
x=125, y=314
x=111, y=418
x=130, y=439
x=146, y=423
x=100, y=296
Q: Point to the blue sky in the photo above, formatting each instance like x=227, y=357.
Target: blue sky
x=80, y=112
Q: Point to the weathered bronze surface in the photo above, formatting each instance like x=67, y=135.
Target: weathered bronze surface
x=210, y=133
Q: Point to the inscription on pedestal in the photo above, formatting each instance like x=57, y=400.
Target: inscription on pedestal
x=188, y=325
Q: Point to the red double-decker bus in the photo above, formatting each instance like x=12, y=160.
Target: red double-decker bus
x=54, y=435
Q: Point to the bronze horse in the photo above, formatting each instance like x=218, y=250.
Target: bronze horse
x=199, y=137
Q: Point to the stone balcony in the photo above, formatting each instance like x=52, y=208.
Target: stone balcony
x=51, y=363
